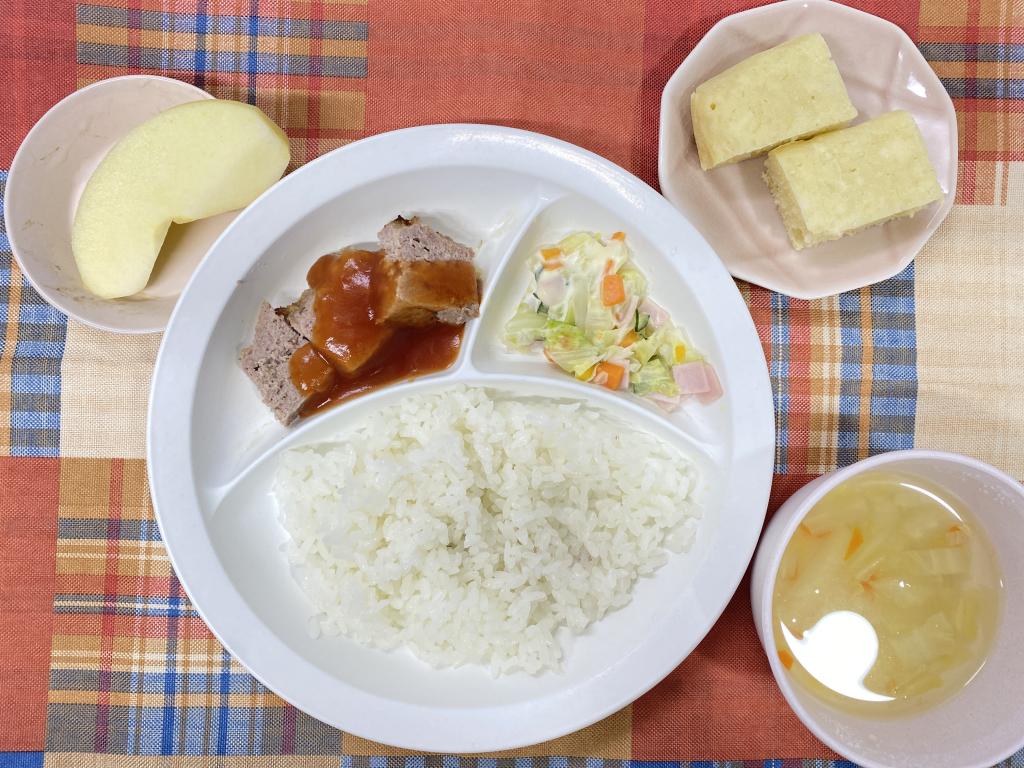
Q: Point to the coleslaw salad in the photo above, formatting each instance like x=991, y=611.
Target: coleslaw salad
x=587, y=309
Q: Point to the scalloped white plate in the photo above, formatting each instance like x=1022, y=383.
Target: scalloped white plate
x=731, y=206
x=213, y=446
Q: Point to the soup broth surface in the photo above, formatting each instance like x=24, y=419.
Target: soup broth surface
x=887, y=597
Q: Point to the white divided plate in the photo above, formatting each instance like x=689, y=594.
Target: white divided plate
x=731, y=206
x=213, y=447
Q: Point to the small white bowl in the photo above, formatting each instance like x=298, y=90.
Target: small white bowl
x=731, y=206
x=981, y=725
x=46, y=179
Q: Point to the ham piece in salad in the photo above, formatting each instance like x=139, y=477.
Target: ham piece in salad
x=587, y=309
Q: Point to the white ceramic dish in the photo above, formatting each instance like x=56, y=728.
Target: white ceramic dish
x=984, y=723
x=47, y=177
x=213, y=446
x=731, y=206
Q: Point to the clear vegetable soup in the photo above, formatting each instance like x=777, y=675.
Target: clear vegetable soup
x=887, y=597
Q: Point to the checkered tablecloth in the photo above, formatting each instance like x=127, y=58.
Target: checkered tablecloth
x=103, y=662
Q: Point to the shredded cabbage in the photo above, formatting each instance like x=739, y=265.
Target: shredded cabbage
x=579, y=330
x=654, y=378
x=525, y=327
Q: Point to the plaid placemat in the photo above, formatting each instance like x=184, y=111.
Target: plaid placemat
x=102, y=659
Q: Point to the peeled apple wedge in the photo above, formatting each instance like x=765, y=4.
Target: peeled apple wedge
x=190, y=162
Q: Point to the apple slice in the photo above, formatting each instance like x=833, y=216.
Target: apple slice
x=190, y=162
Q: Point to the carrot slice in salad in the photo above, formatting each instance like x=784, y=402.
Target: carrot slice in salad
x=612, y=375
x=613, y=290
x=550, y=253
x=618, y=235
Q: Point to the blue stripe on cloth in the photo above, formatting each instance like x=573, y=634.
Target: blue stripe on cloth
x=136, y=681
x=199, y=65
x=778, y=370
x=179, y=602
x=131, y=744
x=893, y=373
x=34, y=310
x=94, y=528
x=254, y=23
x=203, y=60
x=851, y=337
x=838, y=409
x=151, y=726
x=847, y=440
x=39, y=338
x=222, y=714
x=1011, y=52
x=983, y=88
x=157, y=610
x=36, y=384
x=105, y=16
x=263, y=719
x=30, y=348
x=168, y=724
x=195, y=730
x=21, y=760
x=892, y=402
x=37, y=420
x=894, y=304
x=239, y=723
x=893, y=337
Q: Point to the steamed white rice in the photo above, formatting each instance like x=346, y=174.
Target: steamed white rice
x=476, y=528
